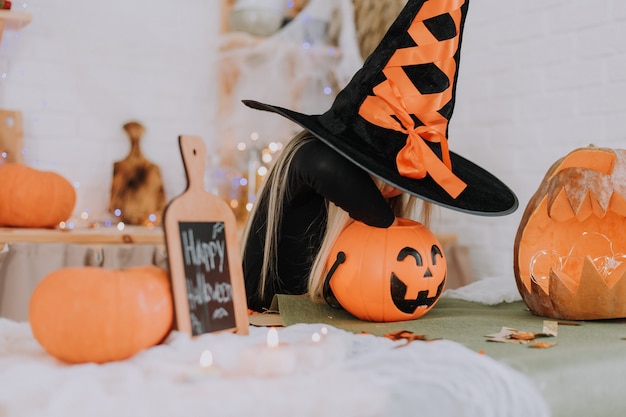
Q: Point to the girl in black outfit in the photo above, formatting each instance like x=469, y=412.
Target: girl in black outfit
x=383, y=142
x=283, y=239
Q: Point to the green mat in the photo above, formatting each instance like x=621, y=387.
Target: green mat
x=584, y=374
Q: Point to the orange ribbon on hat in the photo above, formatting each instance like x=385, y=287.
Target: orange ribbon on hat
x=397, y=96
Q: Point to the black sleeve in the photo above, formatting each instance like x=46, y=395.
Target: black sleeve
x=318, y=168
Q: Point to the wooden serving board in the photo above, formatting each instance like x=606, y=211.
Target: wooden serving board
x=203, y=253
x=137, y=187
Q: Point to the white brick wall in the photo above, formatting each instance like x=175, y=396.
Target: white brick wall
x=538, y=78
x=81, y=69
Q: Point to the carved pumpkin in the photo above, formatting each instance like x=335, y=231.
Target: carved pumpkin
x=569, y=249
x=34, y=198
x=386, y=275
x=90, y=314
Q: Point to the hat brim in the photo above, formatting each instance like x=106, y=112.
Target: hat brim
x=484, y=195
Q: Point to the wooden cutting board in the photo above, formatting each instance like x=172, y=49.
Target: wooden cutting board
x=203, y=253
x=137, y=188
x=11, y=136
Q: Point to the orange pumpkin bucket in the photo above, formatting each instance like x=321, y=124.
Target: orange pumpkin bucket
x=569, y=252
x=386, y=275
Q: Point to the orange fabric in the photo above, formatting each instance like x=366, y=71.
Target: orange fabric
x=397, y=96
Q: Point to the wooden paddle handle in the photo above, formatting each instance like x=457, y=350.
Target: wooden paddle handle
x=194, y=159
x=11, y=136
x=199, y=223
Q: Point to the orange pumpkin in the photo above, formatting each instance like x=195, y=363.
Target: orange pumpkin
x=90, y=314
x=386, y=275
x=569, y=249
x=34, y=198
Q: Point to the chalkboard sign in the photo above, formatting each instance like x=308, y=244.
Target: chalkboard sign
x=207, y=276
x=203, y=254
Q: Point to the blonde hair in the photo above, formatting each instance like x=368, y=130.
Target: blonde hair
x=274, y=190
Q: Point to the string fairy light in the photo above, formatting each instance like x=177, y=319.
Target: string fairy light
x=544, y=260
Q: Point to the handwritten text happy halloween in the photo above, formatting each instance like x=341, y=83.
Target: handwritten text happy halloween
x=207, y=276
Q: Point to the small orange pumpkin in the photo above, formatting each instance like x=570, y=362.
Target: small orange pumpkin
x=386, y=274
x=33, y=198
x=90, y=314
x=569, y=252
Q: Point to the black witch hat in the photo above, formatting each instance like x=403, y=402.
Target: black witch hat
x=392, y=117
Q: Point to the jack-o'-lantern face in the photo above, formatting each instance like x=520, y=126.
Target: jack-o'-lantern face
x=386, y=275
x=569, y=256
x=408, y=293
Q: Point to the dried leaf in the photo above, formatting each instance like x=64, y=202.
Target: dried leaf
x=550, y=327
x=568, y=323
x=504, y=332
x=541, y=345
x=503, y=336
x=523, y=336
x=512, y=335
x=404, y=335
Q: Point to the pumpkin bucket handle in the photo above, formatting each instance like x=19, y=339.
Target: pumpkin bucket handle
x=327, y=291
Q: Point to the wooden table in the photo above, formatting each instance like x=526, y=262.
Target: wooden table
x=130, y=234
x=28, y=255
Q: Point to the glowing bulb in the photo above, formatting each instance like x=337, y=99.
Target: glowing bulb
x=206, y=359
x=272, y=338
